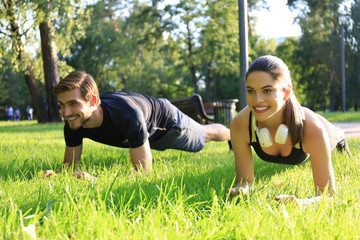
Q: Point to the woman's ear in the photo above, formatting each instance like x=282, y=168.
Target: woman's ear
x=287, y=92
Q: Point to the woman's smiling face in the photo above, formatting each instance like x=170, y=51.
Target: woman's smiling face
x=265, y=96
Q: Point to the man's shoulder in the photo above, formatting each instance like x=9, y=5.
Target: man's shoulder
x=128, y=100
x=119, y=95
x=119, y=109
x=109, y=96
x=117, y=101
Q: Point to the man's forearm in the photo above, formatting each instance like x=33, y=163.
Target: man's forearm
x=72, y=157
x=141, y=157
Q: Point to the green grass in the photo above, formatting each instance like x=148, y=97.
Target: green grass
x=349, y=116
x=183, y=198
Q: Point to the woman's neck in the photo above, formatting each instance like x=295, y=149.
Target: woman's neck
x=273, y=122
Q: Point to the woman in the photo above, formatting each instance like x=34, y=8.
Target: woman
x=273, y=113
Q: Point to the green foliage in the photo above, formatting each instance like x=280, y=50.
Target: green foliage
x=219, y=50
x=129, y=53
x=266, y=47
x=183, y=198
x=147, y=51
x=144, y=46
x=13, y=89
x=287, y=51
x=353, y=79
x=20, y=21
x=318, y=55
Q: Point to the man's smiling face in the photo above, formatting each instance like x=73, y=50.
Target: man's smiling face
x=74, y=108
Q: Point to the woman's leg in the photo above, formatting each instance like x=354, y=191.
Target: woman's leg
x=336, y=135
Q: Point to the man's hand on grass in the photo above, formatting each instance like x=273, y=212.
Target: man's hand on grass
x=48, y=173
x=83, y=175
x=78, y=175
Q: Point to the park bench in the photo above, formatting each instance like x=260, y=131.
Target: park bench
x=193, y=106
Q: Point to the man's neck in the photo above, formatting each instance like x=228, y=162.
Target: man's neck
x=96, y=118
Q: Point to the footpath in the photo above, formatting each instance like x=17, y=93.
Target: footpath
x=351, y=129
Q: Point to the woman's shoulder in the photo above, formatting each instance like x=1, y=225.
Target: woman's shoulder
x=314, y=129
x=241, y=120
x=239, y=127
x=312, y=119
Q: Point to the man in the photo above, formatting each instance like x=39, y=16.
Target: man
x=29, y=112
x=10, y=113
x=128, y=120
x=17, y=114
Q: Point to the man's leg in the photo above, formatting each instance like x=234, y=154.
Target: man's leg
x=216, y=132
x=188, y=135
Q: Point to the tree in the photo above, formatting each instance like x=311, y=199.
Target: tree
x=219, y=49
x=320, y=56
x=353, y=80
x=10, y=28
x=288, y=51
x=49, y=56
x=21, y=21
x=13, y=90
x=189, y=13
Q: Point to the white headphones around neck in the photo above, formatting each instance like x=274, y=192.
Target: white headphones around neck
x=264, y=136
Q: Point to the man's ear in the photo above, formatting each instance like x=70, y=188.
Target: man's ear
x=93, y=101
x=287, y=91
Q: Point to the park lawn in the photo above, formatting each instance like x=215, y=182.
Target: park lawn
x=183, y=198
x=349, y=116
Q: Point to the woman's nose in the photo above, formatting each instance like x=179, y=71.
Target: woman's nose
x=259, y=97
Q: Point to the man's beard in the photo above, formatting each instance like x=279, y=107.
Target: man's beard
x=82, y=123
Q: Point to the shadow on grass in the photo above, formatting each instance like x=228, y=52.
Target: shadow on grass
x=266, y=170
x=197, y=189
x=186, y=184
x=202, y=185
x=31, y=127
x=29, y=168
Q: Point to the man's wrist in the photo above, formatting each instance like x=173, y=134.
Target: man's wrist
x=308, y=201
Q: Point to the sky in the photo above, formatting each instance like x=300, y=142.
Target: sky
x=277, y=22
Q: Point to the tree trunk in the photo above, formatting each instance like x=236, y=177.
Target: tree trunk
x=39, y=106
x=192, y=65
x=48, y=50
x=25, y=64
x=208, y=81
x=332, y=91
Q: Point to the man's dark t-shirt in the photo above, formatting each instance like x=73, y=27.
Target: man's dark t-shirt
x=129, y=119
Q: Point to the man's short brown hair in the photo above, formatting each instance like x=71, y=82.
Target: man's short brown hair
x=81, y=80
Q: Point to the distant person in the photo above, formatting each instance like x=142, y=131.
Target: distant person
x=10, y=113
x=280, y=130
x=29, y=112
x=126, y=120
x=17, y=114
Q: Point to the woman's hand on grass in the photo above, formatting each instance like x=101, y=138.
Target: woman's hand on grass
x=238, y=190
x=78, y=175
x=284, y=198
